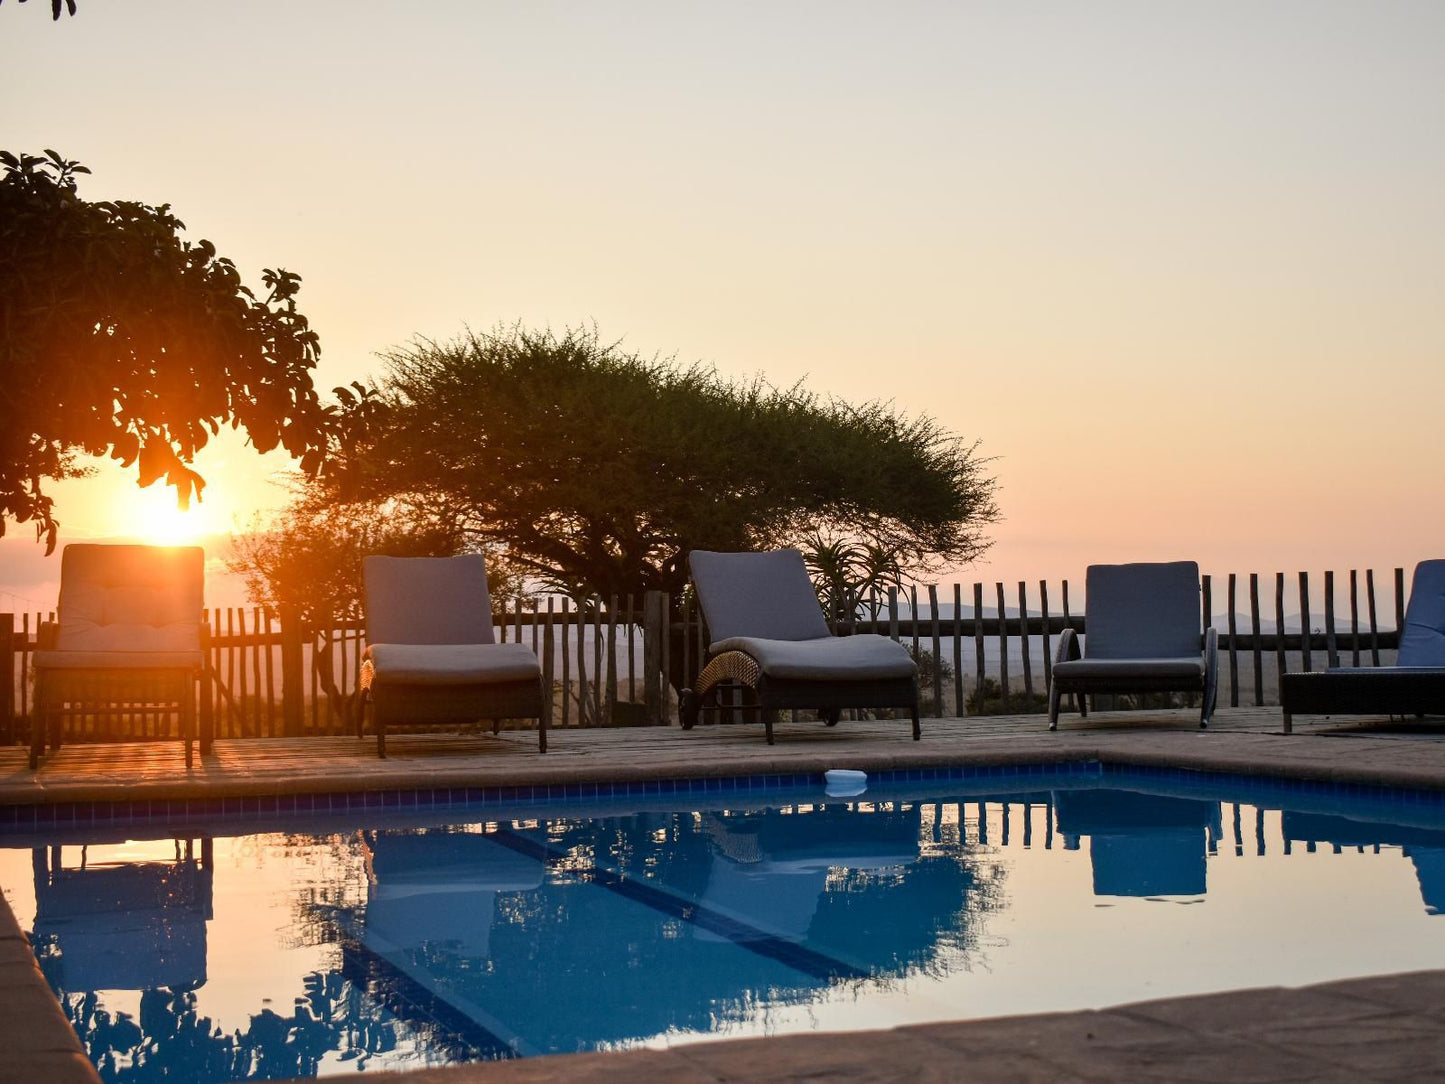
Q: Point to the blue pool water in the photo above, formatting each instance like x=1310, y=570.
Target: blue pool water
x=198, y=948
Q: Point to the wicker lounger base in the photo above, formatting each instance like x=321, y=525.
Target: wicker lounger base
x=774, y=694
x=391, y=706
x=1364, y=691
x=101, y=692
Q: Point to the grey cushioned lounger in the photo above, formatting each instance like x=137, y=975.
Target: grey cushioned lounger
x=1142, y=628
x=431, y=655
x=1414, y=686
x=768, y=634
x=131, y=629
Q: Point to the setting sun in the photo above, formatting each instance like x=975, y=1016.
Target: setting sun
x=151, y=515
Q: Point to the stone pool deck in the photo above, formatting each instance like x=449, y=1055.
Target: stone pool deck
x=1246, y=740
x=1385, y=1028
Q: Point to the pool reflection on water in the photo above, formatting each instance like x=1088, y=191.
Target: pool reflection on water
x=431, y=938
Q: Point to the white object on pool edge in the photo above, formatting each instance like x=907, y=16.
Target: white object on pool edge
x=845, y=782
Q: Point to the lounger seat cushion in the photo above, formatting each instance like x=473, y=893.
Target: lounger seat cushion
x=452, y=664
x=1189, y=669
x=827, y=658
x=118, y=660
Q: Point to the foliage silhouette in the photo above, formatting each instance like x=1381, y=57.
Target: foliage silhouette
x=585, y=467
x=119, y=338
x=851, y=577
x=310, y=558
x=930, y=665
x=55, y=6
x=1020, y=703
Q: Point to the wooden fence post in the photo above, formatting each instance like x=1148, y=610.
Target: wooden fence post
x=1233, y=645
x=1254, y=632
x=206, y=716
x=293, y=674
x=654, y=624
x=1331, y=647
x=1399, y=605
x=7, y=678
x=1306, y=629
x=549, y=679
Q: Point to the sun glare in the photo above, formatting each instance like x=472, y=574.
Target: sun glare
x=151, y=515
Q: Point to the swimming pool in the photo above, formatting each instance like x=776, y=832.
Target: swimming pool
x=190, y=947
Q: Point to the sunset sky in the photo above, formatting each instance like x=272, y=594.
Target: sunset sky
x=1178, y=267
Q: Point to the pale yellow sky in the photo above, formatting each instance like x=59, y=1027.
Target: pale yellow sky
x=1176, y=266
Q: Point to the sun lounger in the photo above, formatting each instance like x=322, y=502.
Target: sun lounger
x=1141, y=634
x=129, y=632
x=1414, y=686
x=769, y=635
x=431, y=654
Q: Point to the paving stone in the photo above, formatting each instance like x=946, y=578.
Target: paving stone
x=1246, y=1012
x=15, y=951
x=868, y=1056
x=47, y=1069
x=29, y=1026
x=1410, y=991
x=1239, y=740
x=9, y=927
x=1048, y=1035
x=1407, y=1044
x=630, y=1067
x=1205, y=1060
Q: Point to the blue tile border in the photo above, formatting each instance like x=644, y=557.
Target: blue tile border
x=100, y=814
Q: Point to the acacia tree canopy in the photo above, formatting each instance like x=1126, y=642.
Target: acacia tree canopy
x=310, y=558
x=590, y=468
x=119, y=338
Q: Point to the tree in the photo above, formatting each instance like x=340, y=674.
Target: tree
x=119, y=338
x=310, y=557
x=581, y=465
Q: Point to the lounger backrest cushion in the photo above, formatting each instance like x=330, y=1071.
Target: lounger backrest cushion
x=1142, y=611
x=766, y=595
x=427, y=600
x=1423, y=641
x=131, y=598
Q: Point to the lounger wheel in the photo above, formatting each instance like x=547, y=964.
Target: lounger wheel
x=830, y=716
x=687, y=709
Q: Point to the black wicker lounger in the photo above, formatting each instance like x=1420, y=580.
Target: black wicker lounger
x=1415, y=686
x=768, y=634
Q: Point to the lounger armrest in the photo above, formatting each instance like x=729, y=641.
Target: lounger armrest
x=1211, y=671
x=47, y=635
x=1068, y=649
